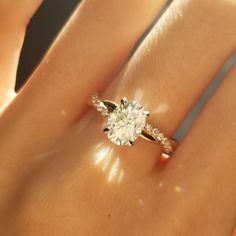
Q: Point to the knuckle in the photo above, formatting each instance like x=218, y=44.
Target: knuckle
x=218, y=15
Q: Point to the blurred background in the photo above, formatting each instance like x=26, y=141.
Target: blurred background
x=46, y=24
x=42, y=30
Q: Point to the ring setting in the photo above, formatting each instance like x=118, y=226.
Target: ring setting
x=127, y=121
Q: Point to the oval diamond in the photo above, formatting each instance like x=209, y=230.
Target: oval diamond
x=126, y=122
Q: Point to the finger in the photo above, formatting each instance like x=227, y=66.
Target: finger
x=87, y=54
x=203, y=171
x=14, y=16
x=170, y=70
x=18, y=12
x=193, y=195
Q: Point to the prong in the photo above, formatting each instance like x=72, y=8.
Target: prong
x=147, y=113
x=105, y=130
x=124, y=101
x=131, y=143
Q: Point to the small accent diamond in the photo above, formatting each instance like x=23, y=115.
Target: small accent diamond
x=156, y=131
x=148, y=128
x=100, y=106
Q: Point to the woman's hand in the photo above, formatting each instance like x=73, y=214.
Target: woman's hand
x=59, y=173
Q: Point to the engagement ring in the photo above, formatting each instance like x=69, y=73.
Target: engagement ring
x=127, y=121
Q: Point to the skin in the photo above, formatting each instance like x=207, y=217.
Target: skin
x=59, y=173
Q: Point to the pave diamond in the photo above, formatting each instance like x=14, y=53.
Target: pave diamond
x=126, y=122
x=100, y=106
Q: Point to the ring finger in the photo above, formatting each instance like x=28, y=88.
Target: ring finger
x=174, y=65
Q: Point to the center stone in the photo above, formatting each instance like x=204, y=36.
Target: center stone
x=126, y=122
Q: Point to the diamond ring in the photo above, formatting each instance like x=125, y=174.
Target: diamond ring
x=127, y=121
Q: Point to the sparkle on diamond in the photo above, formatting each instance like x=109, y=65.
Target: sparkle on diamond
x=126, y=123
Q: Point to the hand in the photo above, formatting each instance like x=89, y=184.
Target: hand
x=60, y=175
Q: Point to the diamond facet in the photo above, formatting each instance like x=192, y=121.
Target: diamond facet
x=126, y=122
